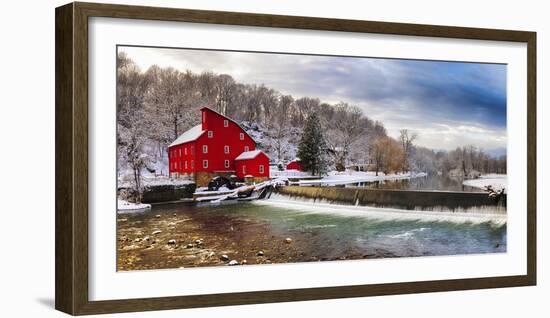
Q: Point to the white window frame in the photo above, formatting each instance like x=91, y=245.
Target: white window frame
x=246, y=148
x=226, y=149
x=210, y=134
x=226, y=123
x=226, y=163
x=241, y=136
x=261, y=167
x=205, y=164
x=204, y=148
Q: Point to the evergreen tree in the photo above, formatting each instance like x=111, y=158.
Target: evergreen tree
x=312, y=147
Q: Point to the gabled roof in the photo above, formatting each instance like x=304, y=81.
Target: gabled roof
x=190, y=135
x=231, y=120
x=249, y=155
x=195, y=132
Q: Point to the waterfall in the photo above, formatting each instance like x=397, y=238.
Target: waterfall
x=479, y=214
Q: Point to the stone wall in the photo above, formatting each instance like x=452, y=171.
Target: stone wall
x=256, y=180
x=164, y=193
x=203, y=178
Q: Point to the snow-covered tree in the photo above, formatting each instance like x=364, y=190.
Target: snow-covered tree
x=345, y=128
x=281, y=124
x=312, y=147
x=407, y=138
x=225, y=93
x=131, y=148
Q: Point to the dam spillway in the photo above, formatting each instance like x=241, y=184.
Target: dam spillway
x=423, y=200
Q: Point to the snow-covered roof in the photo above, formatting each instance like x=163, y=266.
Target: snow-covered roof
x=248, y=155
x=190, y=135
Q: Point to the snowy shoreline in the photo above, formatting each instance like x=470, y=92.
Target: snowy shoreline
x=153, y=181
x=347, y=177
x=496, y=181
x=125, y=206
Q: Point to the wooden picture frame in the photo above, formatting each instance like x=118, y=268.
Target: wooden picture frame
x=71, y=233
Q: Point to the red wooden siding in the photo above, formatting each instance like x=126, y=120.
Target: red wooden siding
x=294, y=165
x=222, y=140
x=182, y=156
x=253, y=166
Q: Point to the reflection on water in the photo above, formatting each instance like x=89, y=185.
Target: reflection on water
x=430, y=182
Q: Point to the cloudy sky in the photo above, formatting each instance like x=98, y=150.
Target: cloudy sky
x=448, y=104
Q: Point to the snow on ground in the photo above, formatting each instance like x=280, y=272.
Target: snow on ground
x=221, y=190
x=164, y=180
x=287, y=173
x=346, y=177
x=497, y=181
x=156, y=174
x=126, y=206
x=149, y=179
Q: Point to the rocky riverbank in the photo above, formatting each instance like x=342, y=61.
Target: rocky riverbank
x=175, y=238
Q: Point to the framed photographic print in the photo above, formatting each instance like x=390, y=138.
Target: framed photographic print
x=218, y=158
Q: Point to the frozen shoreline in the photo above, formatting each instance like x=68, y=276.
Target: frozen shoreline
x=496, y=181
x=347, y=177
x=125, y=206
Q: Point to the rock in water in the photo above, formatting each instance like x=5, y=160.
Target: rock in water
x=157, y=216
x=260, y=253
x=157, y=232
x=189, y=245
x=171, y=242
x=243, y=262
x=233, y=263
x=288, y=240
x=224, y=258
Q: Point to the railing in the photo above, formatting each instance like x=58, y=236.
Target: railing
x=288, y=173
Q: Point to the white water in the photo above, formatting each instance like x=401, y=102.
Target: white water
x=384, y=214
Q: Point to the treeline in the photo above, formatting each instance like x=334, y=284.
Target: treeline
x=155, y=106
x=467, y=161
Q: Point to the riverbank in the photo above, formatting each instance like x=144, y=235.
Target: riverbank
x=349, y=177
x=496, y=181
x=179, y=239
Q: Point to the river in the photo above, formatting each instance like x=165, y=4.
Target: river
x=429, y=182
x=241, y=229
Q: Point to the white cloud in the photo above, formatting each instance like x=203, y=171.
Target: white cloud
x=447, y=104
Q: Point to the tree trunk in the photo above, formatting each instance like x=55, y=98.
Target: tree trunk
x=175, y=127
x=137, y=180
